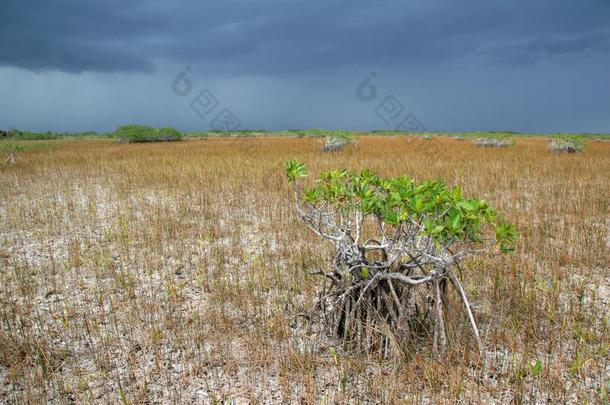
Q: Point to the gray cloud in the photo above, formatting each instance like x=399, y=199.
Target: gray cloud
x=474, y=64
x=275, y=37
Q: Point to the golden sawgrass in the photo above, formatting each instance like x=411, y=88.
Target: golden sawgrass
x=172, y=272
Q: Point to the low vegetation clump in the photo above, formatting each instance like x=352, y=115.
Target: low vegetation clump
x=567, y=144
x=143, y=133
x=397, y=245
x=316, y=133
x=16, y=134
x=11, y=147
x=336, y=140
x=494, y=141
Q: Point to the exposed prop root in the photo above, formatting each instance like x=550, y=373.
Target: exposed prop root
x=389, y=311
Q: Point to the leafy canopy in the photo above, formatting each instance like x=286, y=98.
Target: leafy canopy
x=144, y=133
x=440, y=212
x=569, y=141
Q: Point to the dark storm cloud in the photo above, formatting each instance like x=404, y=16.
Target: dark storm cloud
x=285, y=37
x=528, y=65
x=72, y=36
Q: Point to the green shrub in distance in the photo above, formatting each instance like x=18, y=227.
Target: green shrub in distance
x=336, y=140
x=16, y=134
x=144, y=133
x=567, y=144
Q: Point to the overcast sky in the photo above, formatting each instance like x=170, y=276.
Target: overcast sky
x=525, y=65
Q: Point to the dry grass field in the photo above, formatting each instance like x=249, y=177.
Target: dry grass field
x=175, y=273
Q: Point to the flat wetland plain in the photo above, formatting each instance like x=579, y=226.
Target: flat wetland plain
x=175, y=273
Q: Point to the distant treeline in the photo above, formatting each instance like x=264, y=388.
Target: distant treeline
x=16, y=134
x=144, y=133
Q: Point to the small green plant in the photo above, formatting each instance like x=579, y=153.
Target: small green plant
x=393, y=238
x=567, y=144
x=536, y=368
x=143, y=133
x=603, y=392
